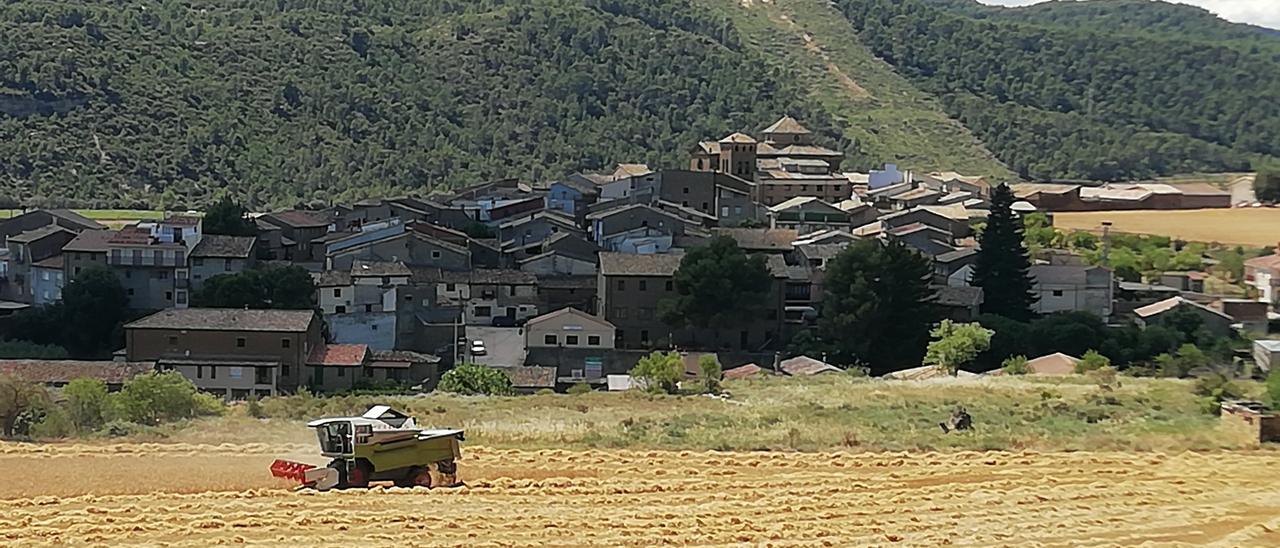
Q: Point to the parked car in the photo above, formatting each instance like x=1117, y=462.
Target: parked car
x=477, y=348
x=504, y=321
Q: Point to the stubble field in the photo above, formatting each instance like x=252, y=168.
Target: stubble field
x=188, y=494
x=1258, y=227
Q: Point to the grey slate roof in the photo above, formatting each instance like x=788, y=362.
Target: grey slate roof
x=216, y=245
x=631, y=264
x=227, y=319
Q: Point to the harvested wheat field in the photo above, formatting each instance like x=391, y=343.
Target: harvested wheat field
x=1244, y=226
x=179, y=494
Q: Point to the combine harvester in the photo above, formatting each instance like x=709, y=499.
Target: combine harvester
x=381, y=445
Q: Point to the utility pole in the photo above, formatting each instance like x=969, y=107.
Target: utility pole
x=1106, y=243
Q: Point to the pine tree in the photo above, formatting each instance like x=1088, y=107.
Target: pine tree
x=877, y=310
x=1003, y=266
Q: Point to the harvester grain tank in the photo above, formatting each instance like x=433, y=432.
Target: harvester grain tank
x=381, y=445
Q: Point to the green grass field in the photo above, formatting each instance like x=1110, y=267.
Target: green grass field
x=836, y=412
x=889, y=117
x=102, y=214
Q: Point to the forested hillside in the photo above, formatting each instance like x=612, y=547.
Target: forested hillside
x=290, y=101
x=165, y=103
x=1084, y=101
x=1128, y=16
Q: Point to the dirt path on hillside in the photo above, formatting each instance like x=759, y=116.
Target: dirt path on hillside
x=201, y=495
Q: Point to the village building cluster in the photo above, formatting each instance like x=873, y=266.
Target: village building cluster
x=558, y=282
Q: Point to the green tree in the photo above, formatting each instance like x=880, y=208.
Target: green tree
x=280, y=287
x=16, y=398
x=94, y=305
x=1092, y=361
x=1266, y=185
x=227, y=217
x=877, y=291
x=159, y=397
x=19, y=350
x=659, y=372
x=1003, y=267
x=717, y=286
x=472, y=379
x=1178, y=364
x=711, y=371
x=956, y=344
x=1015, y=365
x=86, y=403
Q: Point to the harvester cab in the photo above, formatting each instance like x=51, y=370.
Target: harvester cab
x=381, y=445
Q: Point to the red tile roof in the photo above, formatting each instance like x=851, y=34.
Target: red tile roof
x=339, y=355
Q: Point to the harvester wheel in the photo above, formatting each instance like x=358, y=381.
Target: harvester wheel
x=356, y=476
x=448, y=470
x=418, y=476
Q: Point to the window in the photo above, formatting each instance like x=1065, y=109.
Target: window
x=737, y=210
x=620, y=312
x=644, y=335
x=44, y=275
x=339, y=309
x=284, y=371
x=571, y=340
x=435, y=254
x=342, y=371
x=670, y=285
x=235, y=372
x=197, y=262
x=240, y=342
x=226, y=265
x=622, y=285
x=386, y=280
x=511, y=290
x=162, y=274
x=549, y=339
x=77, y=271
x=450, y=287
x=262, y=375
x=724, y=211
x=593, y=340
x=182, y=297
x=704, y=207
x=213, y=372
x=368, y=308
x=686, y=190
x=1057, y=293
x=173, y=340
x=168, y=295
x=368, y=371
x=129, y=292
x=199, y=371
x=128, y=274
x=644, y=285
x=284, y=343
x=337, y=292
x=484, y=311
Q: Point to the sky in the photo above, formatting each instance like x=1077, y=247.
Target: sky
x=1257, y=12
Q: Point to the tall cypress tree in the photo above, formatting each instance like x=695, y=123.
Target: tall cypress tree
x=1003, y=266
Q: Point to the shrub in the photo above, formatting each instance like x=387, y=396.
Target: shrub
x=472, y=379
x=580, y=388
x=253, y=408
x=121, y=429
x=659, y=372
x=711, y=373
x=1104, y=377
x=56, y=423
x=548, y=392
x=1092, y=361
x=86, y=404
x=1015, y=365
x=160, y=397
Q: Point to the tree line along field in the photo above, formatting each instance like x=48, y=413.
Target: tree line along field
x=1258, y=227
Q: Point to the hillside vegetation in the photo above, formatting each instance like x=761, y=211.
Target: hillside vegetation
x=1064, y=98
x=297, y=100
x=166, y=104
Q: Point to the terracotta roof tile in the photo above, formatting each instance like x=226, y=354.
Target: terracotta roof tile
x=339, y=355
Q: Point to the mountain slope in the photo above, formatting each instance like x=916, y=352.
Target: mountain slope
x=1145, y=17
x=888, y=118
x=313, y=100
x=1061, y=101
